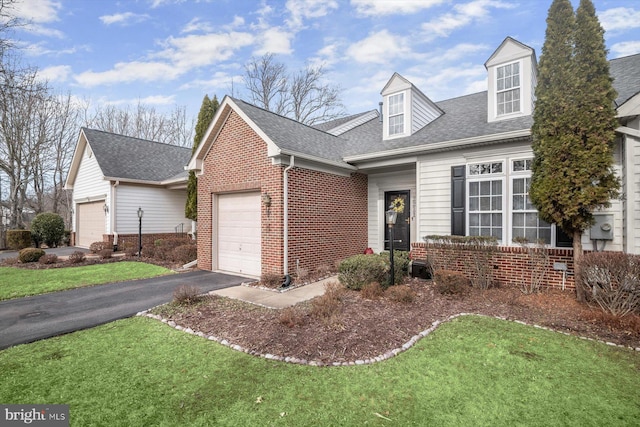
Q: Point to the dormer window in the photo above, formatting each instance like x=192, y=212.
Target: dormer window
x=508, y=89
x=396, y=114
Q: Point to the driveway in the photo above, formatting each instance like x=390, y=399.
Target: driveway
x=61, y=251
x=29, y=319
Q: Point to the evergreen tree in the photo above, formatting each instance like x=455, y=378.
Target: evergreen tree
x=207, y=111
x=574, y=123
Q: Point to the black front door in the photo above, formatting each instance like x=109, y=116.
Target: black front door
x=402, y=229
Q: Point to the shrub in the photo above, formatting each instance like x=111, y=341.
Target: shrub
x=148, y=251
x=291, y=317
x=76, y=257
x=30, y=255
x=451, y=282
x=323, y=270
x=129, y=248
x=106, y=253
x=185, y=253
x=539, y=259
x=612, y=280
x=48, y=228
x=66, y=239
x=372, y=291
x=401, y=262
x=96, y=247
x=359, y=270
x=11, y=261
x=271, y=280
x=400, y=293
x=327, y=307
x=48, y=259
x=18, y=239
x=186, y=295
x=302, y=274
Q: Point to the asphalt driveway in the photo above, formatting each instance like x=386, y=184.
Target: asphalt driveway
x=33, y=318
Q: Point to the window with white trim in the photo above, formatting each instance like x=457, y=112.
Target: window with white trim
x=508, y=89
x=396, y=114
x=525, y=221
x=485, y=196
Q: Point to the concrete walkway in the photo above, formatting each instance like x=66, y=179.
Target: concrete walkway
x=272, y=299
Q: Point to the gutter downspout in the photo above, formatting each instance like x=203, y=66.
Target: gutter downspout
x=286, y=214
x=113, y=213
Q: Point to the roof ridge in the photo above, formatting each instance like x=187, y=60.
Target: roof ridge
x=134, y=137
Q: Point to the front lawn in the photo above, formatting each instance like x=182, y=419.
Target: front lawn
x=470, y=371
x=18, y=282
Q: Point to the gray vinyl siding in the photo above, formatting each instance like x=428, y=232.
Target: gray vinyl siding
x=423, y=112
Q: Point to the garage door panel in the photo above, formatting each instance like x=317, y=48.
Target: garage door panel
x=90, y=223
x=239, y=233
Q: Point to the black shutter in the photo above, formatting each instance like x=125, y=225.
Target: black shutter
x=458, y=200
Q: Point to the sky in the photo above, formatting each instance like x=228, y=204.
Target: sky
x=168, y=53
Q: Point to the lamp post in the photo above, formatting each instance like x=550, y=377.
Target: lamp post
x=140, y=214
x=391, y=215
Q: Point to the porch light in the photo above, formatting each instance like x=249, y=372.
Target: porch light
x=105, y=208
x=266, y=199
x=391, y=215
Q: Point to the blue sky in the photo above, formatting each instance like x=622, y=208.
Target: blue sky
x=171, y=52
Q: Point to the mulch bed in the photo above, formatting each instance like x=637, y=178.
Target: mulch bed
x=354, y=328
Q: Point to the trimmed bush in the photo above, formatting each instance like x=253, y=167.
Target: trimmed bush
x=48, y=259
x=106, y=253
x=47, y=228
x=18, y=239
x=30, y=255
x=96, y=247
x=612, y=280
x=401, y=262
x=359, y=270
x=186, y=295
x=76, y=257
x=451, y=282
x=185, y=253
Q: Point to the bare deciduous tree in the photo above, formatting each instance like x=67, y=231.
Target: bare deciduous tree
x=303, y=96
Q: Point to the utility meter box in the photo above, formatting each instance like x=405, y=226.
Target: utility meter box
x=603, y=227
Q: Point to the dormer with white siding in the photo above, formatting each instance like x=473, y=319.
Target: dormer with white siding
x=405, y=109
x=512, y=79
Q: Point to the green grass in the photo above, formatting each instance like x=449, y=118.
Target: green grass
x=471, y=371
x=17, y=282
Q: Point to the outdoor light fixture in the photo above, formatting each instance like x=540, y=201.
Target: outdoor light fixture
x=392, y=216
x=266, y=199
x=105, y=208
x=140, y=214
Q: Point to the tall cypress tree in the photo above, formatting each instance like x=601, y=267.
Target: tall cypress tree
x=574, y=124
x=207, y=111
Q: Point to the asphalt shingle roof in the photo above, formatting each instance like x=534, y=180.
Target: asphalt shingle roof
x=626, y=77
x=125, y=157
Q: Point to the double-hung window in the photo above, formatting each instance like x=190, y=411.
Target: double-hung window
x=508, y=89
x=485, y=198
x=525, y=220
x=396, y=114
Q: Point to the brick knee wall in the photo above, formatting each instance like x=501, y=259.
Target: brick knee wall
x=147, y=239
x=510, y=265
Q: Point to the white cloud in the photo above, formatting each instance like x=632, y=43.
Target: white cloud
x=463, y=15
x=149, y=100
x=392, y=7
x=275, y=40
x=379, y=48
x=326, y=56
x=41, y=49
x=37, y=11
x=307, y=9
x=56, y=73
x=626, y=48
x=619, y=19
x=199, y=50
x=158, y=3
x=219, y=80
x=453, y=81
x=238, y=21
x=196, y=25
x=127, y=72
x=123, y=18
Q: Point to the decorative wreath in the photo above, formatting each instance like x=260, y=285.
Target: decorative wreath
x=398, y=204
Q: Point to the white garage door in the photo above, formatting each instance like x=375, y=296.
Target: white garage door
x=89, y=223
x=239, y=245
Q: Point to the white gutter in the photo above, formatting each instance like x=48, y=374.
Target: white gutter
x=335, y=163
x=440, y=145
x=285, y=204
x=628, y=131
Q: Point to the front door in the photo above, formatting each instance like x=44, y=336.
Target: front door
x=402, y=229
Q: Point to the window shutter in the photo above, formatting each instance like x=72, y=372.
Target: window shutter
x=458, y=200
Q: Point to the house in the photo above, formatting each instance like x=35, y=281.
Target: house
x=112, y=176
x=292, y=196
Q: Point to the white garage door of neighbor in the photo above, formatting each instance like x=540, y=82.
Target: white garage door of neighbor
x=89, y=223
x=239, y=233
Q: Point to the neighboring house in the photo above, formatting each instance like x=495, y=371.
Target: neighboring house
x=113, y=175
x=297, y=197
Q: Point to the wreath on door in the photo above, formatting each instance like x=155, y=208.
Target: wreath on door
x=398, y=204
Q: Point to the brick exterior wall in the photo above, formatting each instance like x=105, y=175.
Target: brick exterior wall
x=147, y=239
x=510, y=264
x=327, y=213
